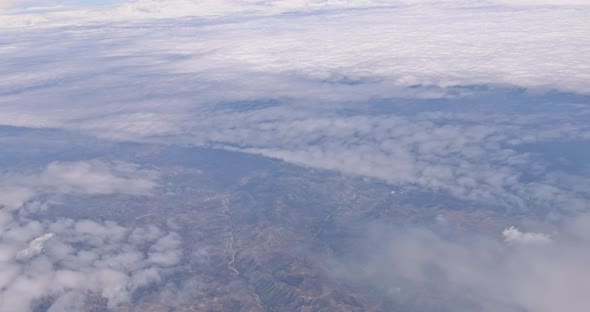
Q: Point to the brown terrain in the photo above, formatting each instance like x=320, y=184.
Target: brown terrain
x=260, y=235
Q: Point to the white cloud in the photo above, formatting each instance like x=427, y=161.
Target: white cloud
x=401, y=44
x=477, y=274
x=97, y=177
x=93, y=177
x=146, y=72
x=81, y=258
x=157, y=81
x=514, y=235
x=34, y=248
x=66, y=260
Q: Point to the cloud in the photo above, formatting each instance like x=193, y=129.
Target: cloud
x=328, y=109
x=477, y=273
x=466, y=45
x=447, y=96
x=60, y=263
x=514, y=235
x=65, y=261
x=448, y=104
x=470, y=154
x=92, y=177
x=34, y=248
x=80, y=259
x=97, y=177
x=20, y=3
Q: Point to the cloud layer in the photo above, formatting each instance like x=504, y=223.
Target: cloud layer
x=529, y=46
x=458, y=97
x=74, y=178
x=83, y=258
x=60, y=263
x=326, y=89
x=476, y=273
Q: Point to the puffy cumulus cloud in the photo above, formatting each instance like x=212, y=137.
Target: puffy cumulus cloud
x=477, y=274
x=76, y=259
x=92, y=177
x=514, y=235
x=60, y=264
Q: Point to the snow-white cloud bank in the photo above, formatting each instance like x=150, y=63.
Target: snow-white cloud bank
x=404, y=43
x=82, y=258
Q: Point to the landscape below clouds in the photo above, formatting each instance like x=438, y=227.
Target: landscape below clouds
x=144, y=139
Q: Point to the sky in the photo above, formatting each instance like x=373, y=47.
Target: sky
x=27, y=3
x=471, y=98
